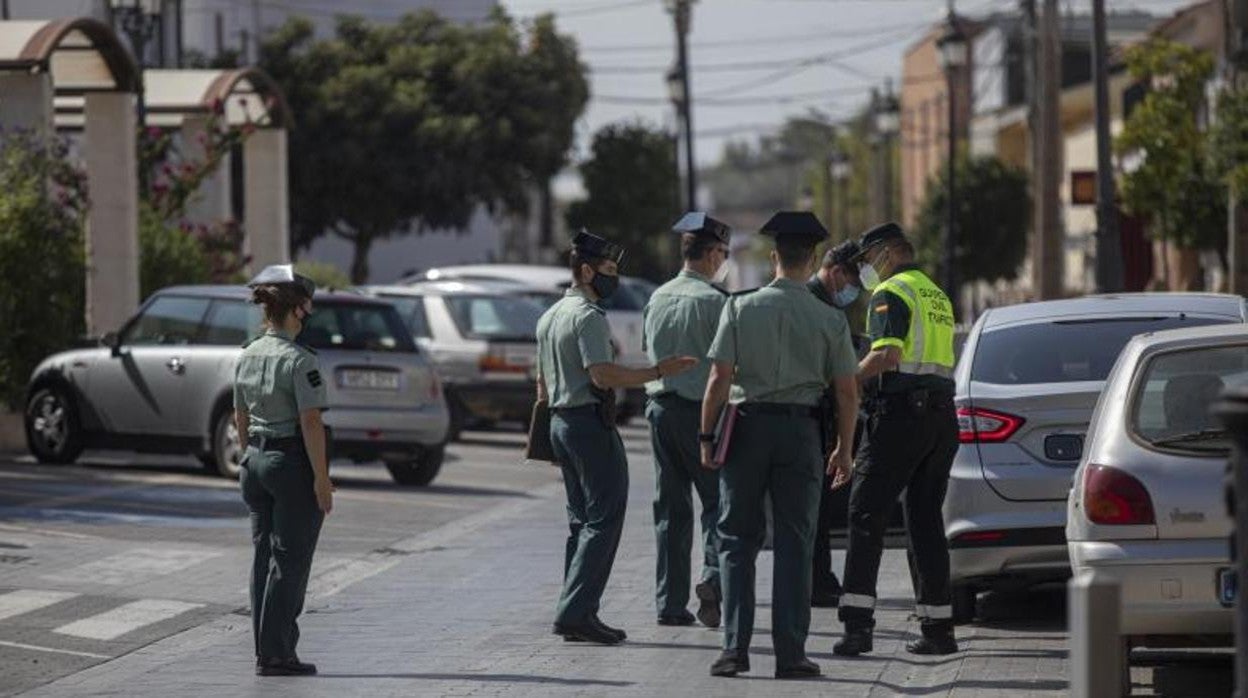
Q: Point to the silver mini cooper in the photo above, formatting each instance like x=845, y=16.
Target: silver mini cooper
x=163, y=384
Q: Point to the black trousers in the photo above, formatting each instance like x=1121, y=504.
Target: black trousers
x=909, y=446
x=832, y=509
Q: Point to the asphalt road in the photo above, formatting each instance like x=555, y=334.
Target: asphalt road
x=119, y=551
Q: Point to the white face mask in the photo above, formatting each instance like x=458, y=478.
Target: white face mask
x=870, y=277
x=721, y=274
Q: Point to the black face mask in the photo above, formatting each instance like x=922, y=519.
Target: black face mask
x=604, y=285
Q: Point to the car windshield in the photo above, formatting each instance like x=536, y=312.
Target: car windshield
x=357, y=326
x=1172, y=400
x=494, y=317
x=1063, y=351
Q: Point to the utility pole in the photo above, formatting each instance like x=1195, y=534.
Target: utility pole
x=1108, y=240
x=4, y=9
x=1236, y=18
x=1046, y=155
x=679, y=84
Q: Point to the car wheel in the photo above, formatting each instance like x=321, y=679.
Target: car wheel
x=964, y=598
x=227, y=448
x=53, y=432
x=419, y=471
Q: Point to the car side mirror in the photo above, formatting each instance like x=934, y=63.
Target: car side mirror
x=112, y=340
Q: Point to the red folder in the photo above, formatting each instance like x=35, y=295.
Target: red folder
x=723, y=433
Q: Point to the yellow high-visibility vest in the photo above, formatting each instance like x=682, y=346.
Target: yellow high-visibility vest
x=928, y=346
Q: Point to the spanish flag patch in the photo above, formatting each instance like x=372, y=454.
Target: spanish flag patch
x=881, y=308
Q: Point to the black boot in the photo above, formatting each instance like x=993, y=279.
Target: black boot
x=680, y=618
x=854, y=642
x=825, y=599
x=801, y=669
x=587, y=632
x=594, y=619
x=284, y=667
x=708, y=610
x=731, y=663
x=938, y=643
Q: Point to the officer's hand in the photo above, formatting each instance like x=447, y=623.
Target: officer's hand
x=708, y=457
x=840, y=467
x=675, y=365
x=324, y=495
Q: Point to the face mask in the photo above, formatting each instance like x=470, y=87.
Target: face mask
x=604, y=285
x=870, y=277
x=846, y=296
x=721, y=275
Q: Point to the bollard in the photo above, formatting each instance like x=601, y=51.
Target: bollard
x=1233, y=409
x=1097, y=665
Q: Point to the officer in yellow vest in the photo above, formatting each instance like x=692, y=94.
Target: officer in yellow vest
x=911, y=439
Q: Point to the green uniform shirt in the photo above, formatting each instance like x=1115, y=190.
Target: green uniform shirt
x=680, y=320
x=572, y=335
x=786, y=344
x=275, y=380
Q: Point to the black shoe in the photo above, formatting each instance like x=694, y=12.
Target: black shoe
x=679, y=618
x=801, y=669
x=284, y=667
x=731, y=663
x=854, y=643
x=939, y=645
x=825, y=599
x=595, y=620
x=587, y=632
x=708, y=610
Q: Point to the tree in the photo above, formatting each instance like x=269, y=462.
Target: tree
x=1176, y=186
x=409, y=127
x=631, y=182
x=43, y=209
x=993, y=217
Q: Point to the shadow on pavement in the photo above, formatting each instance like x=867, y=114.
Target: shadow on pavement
x=1041, y=608
x=486, y=678
x=1186, y=674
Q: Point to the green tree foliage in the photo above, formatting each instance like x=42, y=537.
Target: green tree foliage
x=993, y=217
x=411, y=126
x=1230, y=140
x=43, y=207
x=631, y=183
x=1176, y=186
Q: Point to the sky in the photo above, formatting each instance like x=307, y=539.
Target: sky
x=754, y=62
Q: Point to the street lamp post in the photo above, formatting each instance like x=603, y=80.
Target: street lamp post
x=139, y=20
x=839, y=168
x=678, y=88
x=953, y=57
x=887, y=126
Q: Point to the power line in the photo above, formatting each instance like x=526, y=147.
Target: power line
x=861, y=32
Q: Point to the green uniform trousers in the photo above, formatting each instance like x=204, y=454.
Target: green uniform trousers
x=674, y=426
x=285, y=524
x=777, y=455
x=595, y=476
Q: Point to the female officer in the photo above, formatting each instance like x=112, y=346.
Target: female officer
x=278, y=398
x=577, y=373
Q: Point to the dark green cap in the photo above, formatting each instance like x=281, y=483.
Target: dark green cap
x=281, y=274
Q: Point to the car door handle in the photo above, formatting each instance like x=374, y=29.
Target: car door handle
x=176, y=366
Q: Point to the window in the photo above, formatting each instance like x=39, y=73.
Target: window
x=494, y=317
x=412, y=310
x=232, y=323
x=358, y=326
x=167, y=320
x=1063, y=351
x=1171, y=405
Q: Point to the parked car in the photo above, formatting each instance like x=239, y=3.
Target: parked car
x=623, y=307
x=1027, y=382
x=1148, y=507
x=481, y=337
x=164, y=382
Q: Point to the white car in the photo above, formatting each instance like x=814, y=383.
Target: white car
x=1148, y=507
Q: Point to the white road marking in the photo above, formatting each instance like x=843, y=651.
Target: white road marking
x=16, y=603
x=134, y=566
x=37, y=648
x=124, y=619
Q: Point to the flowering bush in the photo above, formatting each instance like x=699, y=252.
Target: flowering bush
x=43, y=208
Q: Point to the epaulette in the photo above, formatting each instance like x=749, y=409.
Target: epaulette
x=745, y=292
x=723, y=291
x=250, y=341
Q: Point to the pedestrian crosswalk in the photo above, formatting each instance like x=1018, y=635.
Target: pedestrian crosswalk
x=111, y=625
x=134, y=566
x=22, y=601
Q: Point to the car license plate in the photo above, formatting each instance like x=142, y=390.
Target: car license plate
x=1227, y=587
x=525, y=357
x=358, y=379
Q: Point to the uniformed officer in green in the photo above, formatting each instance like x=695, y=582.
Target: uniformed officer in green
x=911, y=440
x=577, y=377
x=279, y=394
x=680, y=319
x=780, y=348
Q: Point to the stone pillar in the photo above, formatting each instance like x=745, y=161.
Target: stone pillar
x=211, y=203
x=266, y=206
x=26, y=101
x=113, y=223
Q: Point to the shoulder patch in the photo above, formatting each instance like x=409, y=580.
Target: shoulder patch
x=314, y=378
x=881, y=308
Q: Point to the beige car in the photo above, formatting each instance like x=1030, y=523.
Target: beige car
x=1148, y=508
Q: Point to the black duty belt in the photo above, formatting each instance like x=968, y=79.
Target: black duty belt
x=276, y=443
x=779, y=409
x=574, y=410
x=676, y=400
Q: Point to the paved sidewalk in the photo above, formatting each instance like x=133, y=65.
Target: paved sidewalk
x=466, y=610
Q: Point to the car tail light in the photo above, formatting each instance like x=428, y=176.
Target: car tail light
x=497, y=363
x=980, y=537
x=985, y=426
x=1114, y=498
